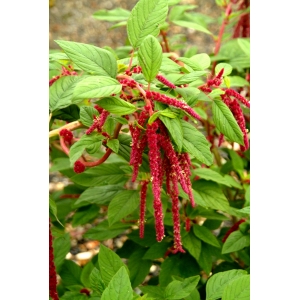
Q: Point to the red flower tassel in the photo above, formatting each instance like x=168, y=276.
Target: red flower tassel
x=52, y=270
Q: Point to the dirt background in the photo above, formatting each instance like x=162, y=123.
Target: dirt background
x=72, y=20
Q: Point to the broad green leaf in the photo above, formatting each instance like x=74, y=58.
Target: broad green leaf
x=61, y=91
x=226, y=123
x=71, y=295
x=149, y=238
x=196, y=144
x=103, y=231
x=191, y=243
x=90, y=58
x=217, y=283
x=157, y=250
x=178, y=10
x=210, y=174
x=53, y=209
x=168, y=65
x=181, y=289
x=201, y=112
x=206, y=235
x=100, y=195
x=208, y=194
x=206, y=258
x=70, y=273
x=122, y=205
x=145, y=19
x=116, y=106
x=104, y=174
x=205, y=213
x=110, y=125
x=119, y=288
x=167, y=113
x=150, y=57
x=154, y=291
x=202, y=59
x=113, y=144
x=215, y=94
x=109, y=264
x=87, y=114
x=190, y=77
x=69, y=114
x=237, y=161
x=138, y=267
x=194, y=65
x=232, y=182
x=96, y=282
x=227, y=68
x=175, y=129
x=236, y=81
x=90, y=143
x=61, y=247
x=86, y=272
x=192, y=25
x=96, y=87
x=177, y=265
x=244, y=43
x=235, y=242
x=238, y=289
x=113, y=15
x=85, y=215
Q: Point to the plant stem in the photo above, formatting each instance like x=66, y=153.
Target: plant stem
x=70, y=126
x=164, y=36
x=221, y=32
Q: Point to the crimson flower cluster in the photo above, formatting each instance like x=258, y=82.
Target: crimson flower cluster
x=52, y=270
x=165, y=164
x=64, y=72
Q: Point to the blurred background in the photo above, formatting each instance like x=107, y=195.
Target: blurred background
x=72, y=20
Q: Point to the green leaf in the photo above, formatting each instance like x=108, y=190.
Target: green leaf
x=181, y=289
x=103, y=231
x=235, y=242
x=113, y=144
x=90, y=58
x=122, y=205
x=226, y=123
x=196, y=144
x=138, y=267
x=104, y=174
x=96, y=282
x=61, y=247
x=90, y=142
x=236, y=81
x=206, y=235
x=205, y=213
x=190, y=77
x=208, y=194
x=96, y=87
x=86, y=272
x=148, y=239
x=53, y=209
x=145, y=19
x=114, y=15
x=232, y=182
x=156, y=292
x=238, y=289
x=150, y=57
x=70, y=295
x=205, y=260
x=109, y=263
x=85, y=215
x=217, y=283
x=175, y=129
x=191, y=243
x=237, y=161
x=116, y=106
x=157, y=250
x=227, y=68
x=100, y=195
x=61, y=91
x=119, y=288
x=210, y=174
x=177, y=265
x=87, y=114
x=70, y=273
x=202, y=59
x=192, y=25
x=245, y=45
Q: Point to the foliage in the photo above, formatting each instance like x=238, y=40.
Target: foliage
x=155, y=145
